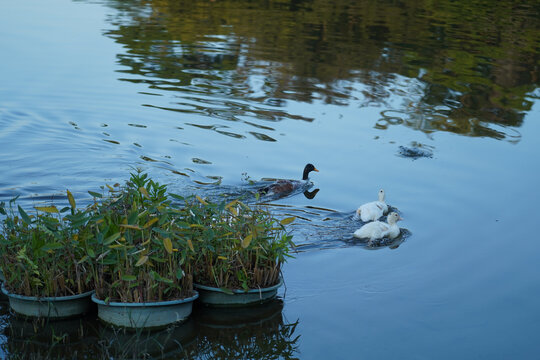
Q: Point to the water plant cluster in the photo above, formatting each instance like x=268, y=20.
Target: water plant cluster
x=239, y=247
x=41, y=254
x=139, y=243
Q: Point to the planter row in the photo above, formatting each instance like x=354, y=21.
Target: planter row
x=135, y=315
x=138, y=232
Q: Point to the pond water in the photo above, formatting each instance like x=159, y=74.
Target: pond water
x=208, y=95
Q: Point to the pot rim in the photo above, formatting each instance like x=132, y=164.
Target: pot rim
x=146, y=304
x=240, y=291
x=46, y=298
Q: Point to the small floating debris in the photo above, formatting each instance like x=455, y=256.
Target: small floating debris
x=200, y=161
x=415, y=151
x=138, y=125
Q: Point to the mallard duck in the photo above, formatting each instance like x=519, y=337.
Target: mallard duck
x=372, y=211
x=377, y=229
x=283, y=186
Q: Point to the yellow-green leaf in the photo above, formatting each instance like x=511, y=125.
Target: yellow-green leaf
x=247, y=241
x=134, y=227
x=232, y=203
x=287, y=221
x=222, y=257
x=144, y=192
x=168, y=245
x=71, y=199
x=190, y=245
x=142, y=260
x=47, y=209
x=201, y=200
x=110, y=187
x=150, y=222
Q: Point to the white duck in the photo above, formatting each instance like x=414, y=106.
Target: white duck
x=377, y=229
x=372, y=211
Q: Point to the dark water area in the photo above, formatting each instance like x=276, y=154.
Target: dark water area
x=437, y=103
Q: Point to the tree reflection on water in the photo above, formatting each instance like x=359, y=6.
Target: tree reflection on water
x=467, y=68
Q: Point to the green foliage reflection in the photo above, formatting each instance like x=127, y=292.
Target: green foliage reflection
x=475, y=62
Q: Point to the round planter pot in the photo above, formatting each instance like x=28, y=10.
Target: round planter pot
x=145, y=315
x=50, y=307
x=218, y=297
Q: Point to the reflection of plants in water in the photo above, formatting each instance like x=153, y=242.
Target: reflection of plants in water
x=247, y=333
x=86, y=339
x=116, y=343
x=33, y=338
x=472, y=65
x=267, y=340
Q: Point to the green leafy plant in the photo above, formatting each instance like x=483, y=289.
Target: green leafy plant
x=236, y=246
x=138, y=253
x=135, y=245
x=42, y=252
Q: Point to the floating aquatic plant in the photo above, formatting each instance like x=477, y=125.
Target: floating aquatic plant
x=133, y=245
x=42, y=252
x=138, y=253
x=236, y=246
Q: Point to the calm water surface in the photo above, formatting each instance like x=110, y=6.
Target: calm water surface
x=208, y=95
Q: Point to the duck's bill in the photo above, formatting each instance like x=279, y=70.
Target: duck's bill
x=316, y=170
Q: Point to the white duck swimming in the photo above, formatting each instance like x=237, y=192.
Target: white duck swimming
x=377, y=229
x=372, y=211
